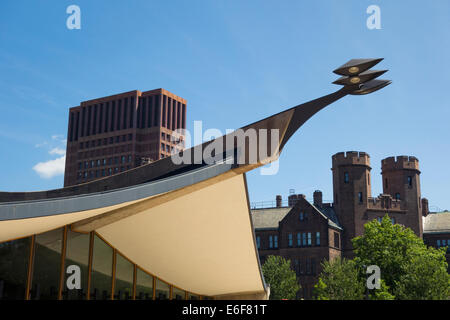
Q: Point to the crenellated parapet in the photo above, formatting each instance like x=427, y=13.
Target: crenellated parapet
x=384, y=202
x=399, y=163
x=350, y=158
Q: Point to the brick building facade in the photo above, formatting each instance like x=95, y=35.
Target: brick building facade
x=307, y=233
x=120, y=132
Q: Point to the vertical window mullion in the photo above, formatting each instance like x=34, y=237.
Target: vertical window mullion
x=30, y=267
x=63, y=259
x=154, y=288
x=113, y=277
x=125, y=109
x=134, y=282
x=91, y=247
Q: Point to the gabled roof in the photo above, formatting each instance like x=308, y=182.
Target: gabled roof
x=329, y=213
x=437, y=223
x=268, y=218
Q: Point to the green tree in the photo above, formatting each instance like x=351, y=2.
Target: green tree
x=281, y=278
x=382, y=293
x=409, y=269
x=339, y=280
x=425, y=277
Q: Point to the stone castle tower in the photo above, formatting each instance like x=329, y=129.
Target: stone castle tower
x=401, y=181
x=351, y=185
x=353, y=201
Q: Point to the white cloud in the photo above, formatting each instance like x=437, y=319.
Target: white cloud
x=57, y=151
x=51, y=168
x=40, y=145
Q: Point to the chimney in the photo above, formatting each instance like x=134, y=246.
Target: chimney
x=317, y=198
x=292, y=199
x=279, y=201
x=425, y=209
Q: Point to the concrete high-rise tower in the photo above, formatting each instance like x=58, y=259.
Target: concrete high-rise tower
x=120, y=132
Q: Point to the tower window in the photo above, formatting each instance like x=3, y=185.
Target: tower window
x=258, y=242
x=301, y=216
x=290, y=239
x=270, y=242
x=275, y=241
x=360, y=197
x=313, y=266
x=346, y=177
x=299, y=239
x=336, y=240
x=397, y=196
x=368, y=178
x=410, y=181
x=386, y=182
x=317, y=238
x=308, y=266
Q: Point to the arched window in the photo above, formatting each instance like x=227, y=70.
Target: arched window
x=346, y=177
x=410, y=181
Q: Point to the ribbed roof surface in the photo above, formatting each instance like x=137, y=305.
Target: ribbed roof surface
x=436, y=222
x=268, y=217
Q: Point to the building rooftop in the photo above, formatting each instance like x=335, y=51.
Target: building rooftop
x=268, y=218
x=329, y=213
x=437, y=222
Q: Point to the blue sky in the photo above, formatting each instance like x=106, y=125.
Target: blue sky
x=235, y=62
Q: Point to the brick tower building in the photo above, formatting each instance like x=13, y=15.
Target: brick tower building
x=309, y=232
x=401, y=181
x=351, y=186
x=119, y=132
x=353, y=201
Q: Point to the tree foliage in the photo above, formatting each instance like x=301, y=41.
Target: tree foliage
x=409, y=269
x=339, y=280
x=281, y=278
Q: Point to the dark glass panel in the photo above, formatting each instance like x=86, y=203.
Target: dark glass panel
x=162, y=290
x=47, y=265
x=123, y=288
x=101, y=275
x=144, y=285
x=14, y=256
x=77, y=253
x=178, y=294
x=192, y=296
